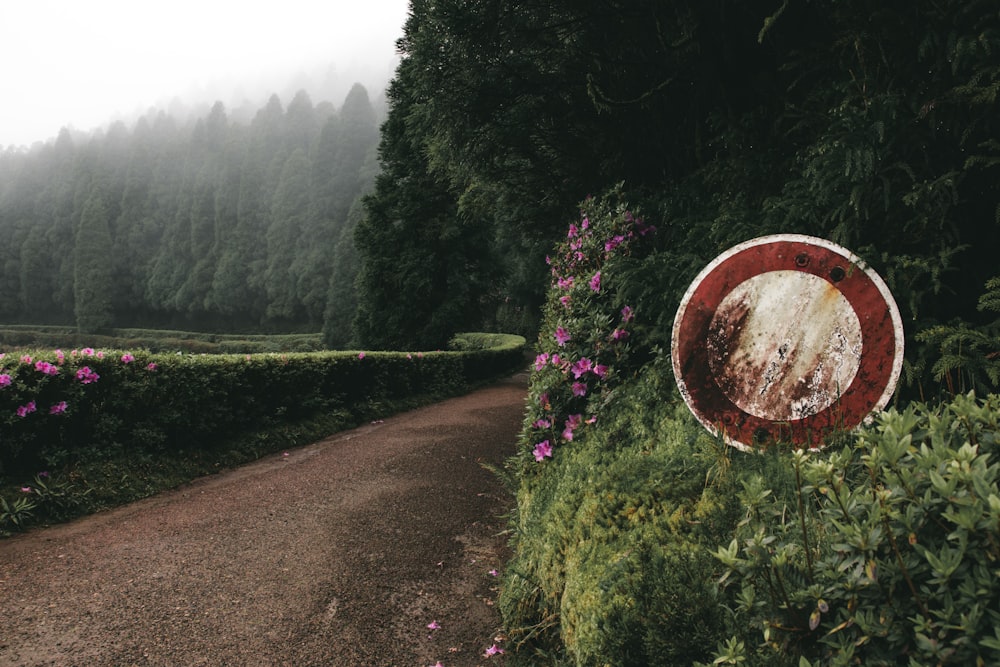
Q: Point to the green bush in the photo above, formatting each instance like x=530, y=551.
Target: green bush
x=887, y=552
x=157, y=340
x=639, y=539
x=66, y=413
x=620, y=496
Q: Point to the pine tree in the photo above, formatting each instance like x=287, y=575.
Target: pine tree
x=92, y=278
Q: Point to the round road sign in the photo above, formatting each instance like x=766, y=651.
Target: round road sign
x=786, y=338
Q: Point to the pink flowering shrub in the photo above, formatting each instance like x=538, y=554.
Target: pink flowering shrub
x=584, y=348
x=64, y=411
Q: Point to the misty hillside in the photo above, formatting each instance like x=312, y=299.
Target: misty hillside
x=198, y=221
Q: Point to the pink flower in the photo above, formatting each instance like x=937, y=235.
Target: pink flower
x=99, y=354
x=87, y=351
x=541, y=423
x=433, y=625
x=619, y=335
x=46, y=368
x=5, y=380
x=493, y=650
x=571, y=423
x=151, y=366
x=541, y=360
x=361, y=355
x=542, y=450
x=58, y=408
x=543, y=400
x=26, y=359
x=579, y=388
x=600, y=370
x=573, y=231
x=87, y=375
x=627, y=314
x=127, y=358
x=613, y=243
x=565, y=283
x=493, y=573
x=25, y=489
x=562, y=336
x=27, y=409
x=60, y=356
x=565, y=300
x=595, y=282
x=581, y=367
x=585, y=224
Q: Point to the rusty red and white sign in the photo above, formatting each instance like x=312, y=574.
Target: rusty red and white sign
x=786, y=338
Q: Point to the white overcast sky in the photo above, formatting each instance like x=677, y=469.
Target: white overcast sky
x=81, y=63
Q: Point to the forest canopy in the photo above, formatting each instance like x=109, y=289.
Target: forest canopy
x=871, y=124
x=208, y=224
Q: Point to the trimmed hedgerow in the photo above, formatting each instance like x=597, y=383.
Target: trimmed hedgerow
x=64, y=413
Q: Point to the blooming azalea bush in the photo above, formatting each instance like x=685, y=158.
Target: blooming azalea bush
x=590, y=534
x=584, y=350
x=83, y=414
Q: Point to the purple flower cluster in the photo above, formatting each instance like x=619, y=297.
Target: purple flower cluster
x=46, y=368
x=87, y=375
x=583, y=341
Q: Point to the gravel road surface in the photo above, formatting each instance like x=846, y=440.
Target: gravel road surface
x=340, y=553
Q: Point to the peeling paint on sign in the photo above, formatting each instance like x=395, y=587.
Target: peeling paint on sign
x=785, y=338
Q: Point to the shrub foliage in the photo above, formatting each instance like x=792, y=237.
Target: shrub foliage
x=64, y=414
x=639, y=539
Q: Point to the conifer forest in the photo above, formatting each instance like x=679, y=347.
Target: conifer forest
x=210, y=224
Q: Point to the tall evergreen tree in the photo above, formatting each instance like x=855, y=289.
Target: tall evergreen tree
x=92, y=278
x=424, y=266
x=289, y=218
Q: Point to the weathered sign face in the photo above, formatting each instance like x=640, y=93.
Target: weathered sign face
x=786, y=338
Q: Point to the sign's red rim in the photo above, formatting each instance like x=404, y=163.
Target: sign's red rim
x=881, y=327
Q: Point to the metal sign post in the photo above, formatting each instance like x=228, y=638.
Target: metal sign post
x=786, y=338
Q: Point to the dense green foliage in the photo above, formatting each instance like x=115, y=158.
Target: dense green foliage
x=27, y=337
x=885, y=554
x=640, y=539
x=871, y=124
x=211, y=224
x=85, y=413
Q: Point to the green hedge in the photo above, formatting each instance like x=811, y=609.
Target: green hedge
x=61, y=412
x=156, y=340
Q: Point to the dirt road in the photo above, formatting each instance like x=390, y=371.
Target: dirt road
x=341, y=553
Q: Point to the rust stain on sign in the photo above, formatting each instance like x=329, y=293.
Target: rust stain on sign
x=786, y=338
x=784, y=345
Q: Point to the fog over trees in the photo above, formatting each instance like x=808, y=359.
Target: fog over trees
x=201, y=221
